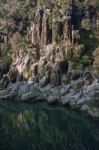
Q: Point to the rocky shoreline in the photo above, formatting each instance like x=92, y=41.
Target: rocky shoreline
x=86, y=99
x=54, y=55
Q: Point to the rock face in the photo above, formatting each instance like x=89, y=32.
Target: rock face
x=85, y=100
x=44, y=29
x=54, y=61
x=96, y=60
x=36, y=27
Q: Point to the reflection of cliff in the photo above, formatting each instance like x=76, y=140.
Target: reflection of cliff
x=42, y=127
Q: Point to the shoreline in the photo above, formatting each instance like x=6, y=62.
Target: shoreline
x=84, y=100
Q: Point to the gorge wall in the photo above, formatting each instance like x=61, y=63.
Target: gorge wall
x=51, y=43
x=59, y=37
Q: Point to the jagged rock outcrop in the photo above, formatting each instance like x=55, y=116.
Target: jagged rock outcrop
x=36, y=27
x=85, y=100
x=96, y=60
x=44, y=34
x=52, y=55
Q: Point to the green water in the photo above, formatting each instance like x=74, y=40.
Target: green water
x=42, y=127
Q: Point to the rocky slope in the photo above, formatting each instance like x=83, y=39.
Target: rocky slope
x=52, y=51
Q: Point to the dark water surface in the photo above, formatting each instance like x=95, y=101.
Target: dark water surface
x=42, y=127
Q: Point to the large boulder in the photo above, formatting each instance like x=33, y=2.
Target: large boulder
x=54, y=95
x=64, y=89
x=24, y=88
x=52, y=99
x=45, y=80
x=88, y=78
x=93, y=112
x=77, y=85
x=33, y=95
x=95, y=99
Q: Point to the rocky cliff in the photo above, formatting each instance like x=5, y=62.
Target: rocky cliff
x=51, y=48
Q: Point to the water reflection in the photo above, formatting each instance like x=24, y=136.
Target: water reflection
x=43, y=127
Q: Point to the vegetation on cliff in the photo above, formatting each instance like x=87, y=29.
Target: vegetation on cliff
x=17, y=17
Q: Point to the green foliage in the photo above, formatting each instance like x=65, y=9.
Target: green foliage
x=9, y=58
x=50, y=19
x=1, y=15
x=41, y=3
x=89, y=39
x=81, y=63
x=85, y=24
x=56, y=13
x=84, y=62
x=80, y=48
x=24, y=8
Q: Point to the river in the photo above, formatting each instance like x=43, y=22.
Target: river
x=39, y=126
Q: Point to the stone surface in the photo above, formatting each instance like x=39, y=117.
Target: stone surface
x=86, y=101
x=52, y=58
x=77, y=85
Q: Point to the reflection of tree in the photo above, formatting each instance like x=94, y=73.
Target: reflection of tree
x=41, y=127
